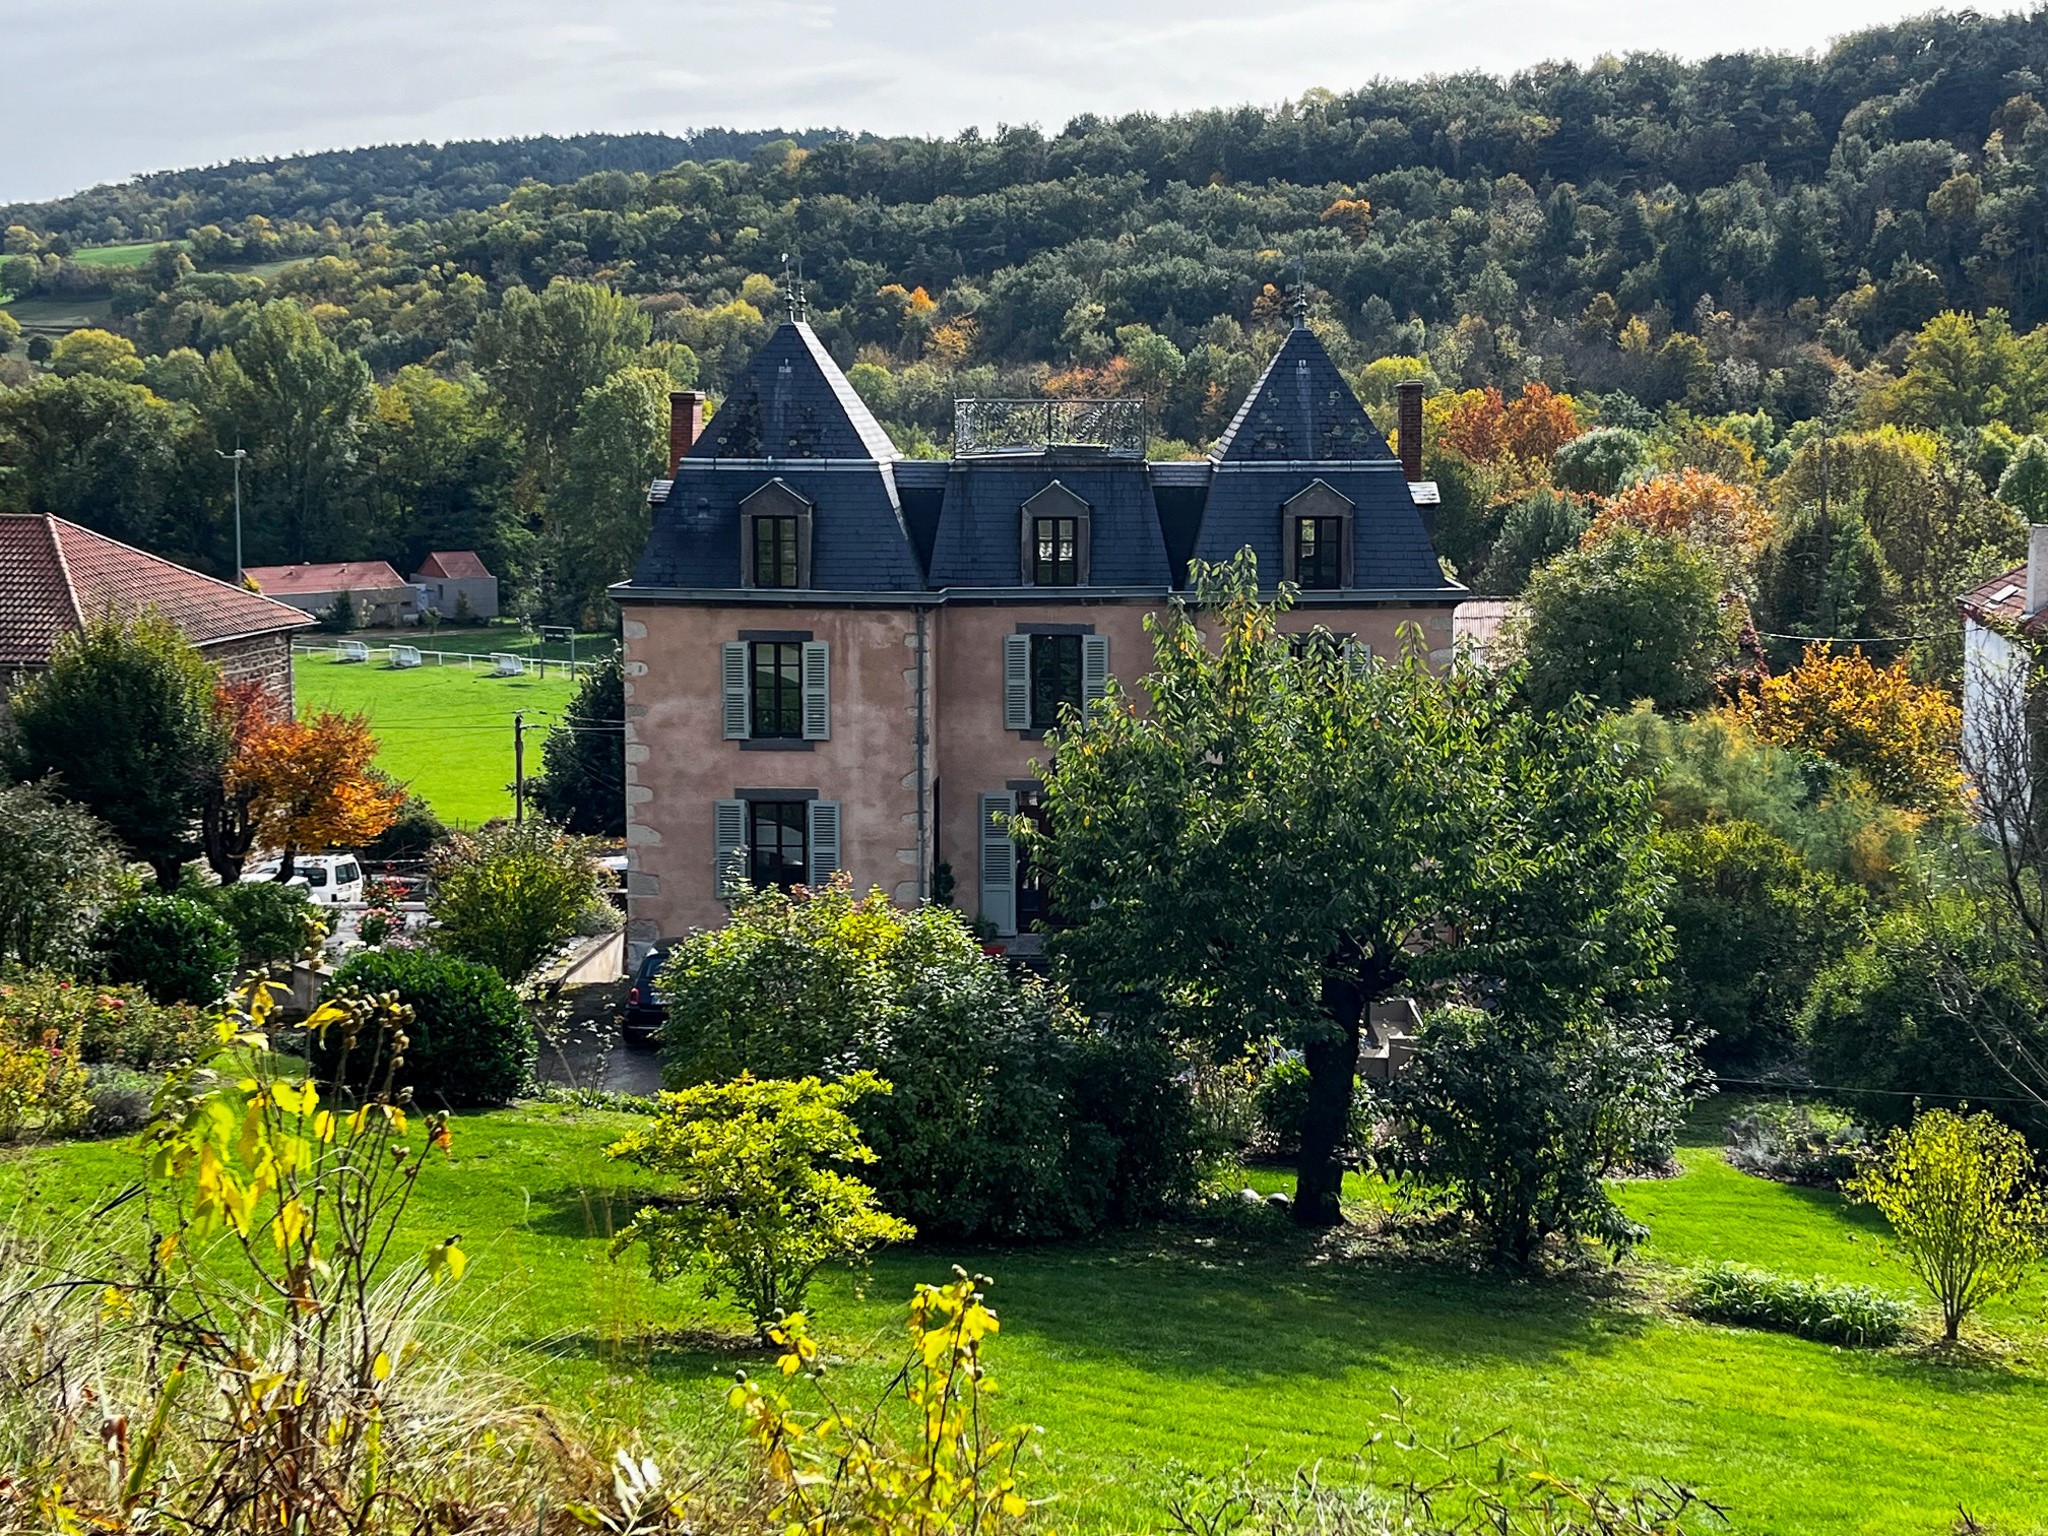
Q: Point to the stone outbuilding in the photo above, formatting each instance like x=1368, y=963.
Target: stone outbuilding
x=56, y=577
x=456, y=584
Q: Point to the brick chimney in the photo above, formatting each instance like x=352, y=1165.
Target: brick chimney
x=2037, y=568
x=685, y=421
x=1408, y=424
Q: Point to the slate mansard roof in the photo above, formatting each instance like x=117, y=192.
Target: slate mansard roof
x=885, y=524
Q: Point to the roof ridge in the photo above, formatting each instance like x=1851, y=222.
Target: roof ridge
x=182, y=570
x=65, y=582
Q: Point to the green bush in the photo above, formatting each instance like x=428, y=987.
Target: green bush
x=1824, y=1310
x=470, y=1041
x=269, y=919
x=1797, y=1144
x=1010, y=1116
x=115, y=1025
x=506, y=895
x=1283, y=1104
x=413, y=834
x=758, y=1199
x=176, y=949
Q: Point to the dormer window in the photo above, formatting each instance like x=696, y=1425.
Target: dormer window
x=775, y=532
x=1054, y=538
x=1316, y=538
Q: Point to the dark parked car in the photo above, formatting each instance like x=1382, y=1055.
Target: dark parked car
x=645, y=1011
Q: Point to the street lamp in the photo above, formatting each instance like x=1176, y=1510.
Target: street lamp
x=237, y=456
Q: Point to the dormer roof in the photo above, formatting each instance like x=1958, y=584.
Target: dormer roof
x=795, y=403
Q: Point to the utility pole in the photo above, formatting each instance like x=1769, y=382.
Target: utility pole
x=236, y=458
x=519, y=767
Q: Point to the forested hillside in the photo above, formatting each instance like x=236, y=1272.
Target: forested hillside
x=1728, y=260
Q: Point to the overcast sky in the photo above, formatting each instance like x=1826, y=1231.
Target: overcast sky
x=99, y=90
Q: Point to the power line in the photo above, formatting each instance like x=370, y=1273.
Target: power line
x=1889, y=1093
x=1771, y=634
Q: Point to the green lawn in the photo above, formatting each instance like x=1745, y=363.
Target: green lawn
x=446, y=731
x=1147, y=1349
x=485, y=638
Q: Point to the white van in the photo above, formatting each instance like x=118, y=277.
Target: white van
x=330, y=879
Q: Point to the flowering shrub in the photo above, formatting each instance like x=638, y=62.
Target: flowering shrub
x=119, y=1025
x=42, y=1070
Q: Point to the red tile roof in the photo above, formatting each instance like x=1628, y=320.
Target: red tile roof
x=453, y=565
x=56, y=575
x=2003, y=599
x=335, y=576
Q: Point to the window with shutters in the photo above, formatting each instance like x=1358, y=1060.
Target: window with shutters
x=1034, y=878
x=1055, y=678
x=1316, y=538
x=775, y=530
x=778, y=690
x=998, y=860
x=778, y=842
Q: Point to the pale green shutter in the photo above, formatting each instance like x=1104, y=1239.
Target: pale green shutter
x=822, y=843
x=729, y=846
x=998, y=863
x=1094, y=668
x=817, y=680
x=733, y=676
x=1016, y=682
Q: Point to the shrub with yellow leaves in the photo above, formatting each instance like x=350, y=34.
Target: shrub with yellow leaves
x=922, y=1459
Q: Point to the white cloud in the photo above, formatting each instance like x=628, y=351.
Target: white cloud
x=103, y=89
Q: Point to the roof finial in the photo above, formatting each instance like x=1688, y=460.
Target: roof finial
x=1300, y=305
x=793, y=286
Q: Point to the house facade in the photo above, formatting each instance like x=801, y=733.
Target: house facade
x=1997, y=617
x=382, y=597
x=455, y=583
x=841, y=659
x=56, y=577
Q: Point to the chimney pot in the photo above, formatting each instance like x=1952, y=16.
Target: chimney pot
x=1408, y=427
x=685, y=421
x=2037, y=568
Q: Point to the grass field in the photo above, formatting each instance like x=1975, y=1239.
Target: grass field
x=491, y=637
x=1149, y=1349
x=53, y=317
x=446, y=731
x=133, y=255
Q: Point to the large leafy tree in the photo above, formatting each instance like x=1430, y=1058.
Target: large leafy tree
x=582, y=783
x=1635, y=616
x=541, y=352
x=297, y=399
x=598, y=515
x=125, y=720
x=1274, y=843
x=312, y=784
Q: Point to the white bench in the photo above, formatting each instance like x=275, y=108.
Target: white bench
x=355, y=650
x=405, y=655
x=505, y=664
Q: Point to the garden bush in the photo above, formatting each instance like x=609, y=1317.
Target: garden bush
x=1011, y=1115
x=118, y=1100
x=272, y=921
x=1797, y=1144
x=470, y=1041
x=506, y=895
x=757, y=1197
x=176, y=949
x=1283, y=1102
x=1824, y=1310
x=116, y=1025
x=42, y=1074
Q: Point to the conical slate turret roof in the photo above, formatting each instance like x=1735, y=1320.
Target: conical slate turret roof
x=1301, y=408
x=795, y=404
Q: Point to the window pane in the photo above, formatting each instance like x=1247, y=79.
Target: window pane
x=775, y=552
x=1055, y=677
x=1056, y=551
x=1318, y=551
x=776, y=842
x=778, y=688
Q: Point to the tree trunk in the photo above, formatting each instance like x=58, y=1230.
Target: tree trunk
x=1332, y=1060
x=290, y=864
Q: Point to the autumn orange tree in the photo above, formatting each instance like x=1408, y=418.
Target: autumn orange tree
x=1724, y=521
x=1487, y=428
x=1900, y=735
x=312, y=783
